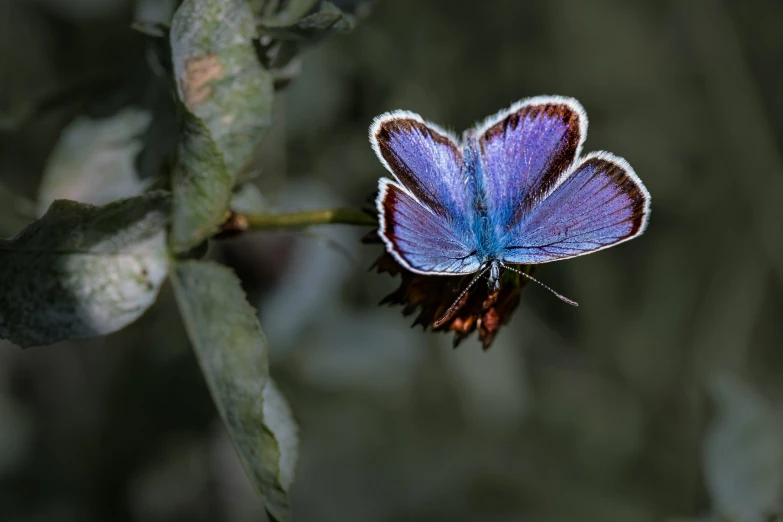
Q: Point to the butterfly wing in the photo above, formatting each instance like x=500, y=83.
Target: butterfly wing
x=525, y=150
x=598, y=204
x=425, y=213
x=419, y=239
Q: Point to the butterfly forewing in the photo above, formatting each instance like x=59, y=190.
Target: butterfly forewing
x=425, y=160
x=425, y=214
x=525, y=151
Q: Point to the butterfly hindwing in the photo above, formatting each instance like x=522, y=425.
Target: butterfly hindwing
x=418, y=238
x=599, y=203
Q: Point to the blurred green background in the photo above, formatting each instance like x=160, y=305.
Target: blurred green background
x=659, y=398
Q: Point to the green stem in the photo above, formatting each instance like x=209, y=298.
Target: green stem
x=335, y=216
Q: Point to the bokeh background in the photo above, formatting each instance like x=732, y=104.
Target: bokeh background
x=659, y=398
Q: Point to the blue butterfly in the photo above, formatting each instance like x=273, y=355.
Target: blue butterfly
x=514, y=189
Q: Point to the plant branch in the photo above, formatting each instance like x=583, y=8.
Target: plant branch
x=336, y=216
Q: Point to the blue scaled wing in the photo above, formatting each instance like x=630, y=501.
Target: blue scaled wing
x=425, y=213
x=419, y=239
x=524, y=151
x=598, y=204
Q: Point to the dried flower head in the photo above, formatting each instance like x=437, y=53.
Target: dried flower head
x=481, y=308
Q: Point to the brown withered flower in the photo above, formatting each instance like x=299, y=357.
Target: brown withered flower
x=480, y=308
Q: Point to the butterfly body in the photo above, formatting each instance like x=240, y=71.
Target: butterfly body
x=484, y=238
x=513, y=190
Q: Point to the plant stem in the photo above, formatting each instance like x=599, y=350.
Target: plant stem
x=335, y=216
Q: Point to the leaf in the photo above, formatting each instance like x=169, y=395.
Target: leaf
x=286, y=32
x=288, y=25
x=93, y=161
x=290, y=11
x=201, y=187
x=743, y=452
x=219, y=78
x=232, y=352
x=153, y=17
x=229, y=98
x=83, y=271
x=280, y=421
x=247, y=199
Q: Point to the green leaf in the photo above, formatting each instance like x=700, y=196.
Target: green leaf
x=743, y=452
x=219, y=78
x=290, y=25
x=232, y=352
x=83, y=271
x=247, y=199
x=153, y=17
x=93, y=161
x=280, y=422
x=228, y=96
x=272, y=13
x=201, y=187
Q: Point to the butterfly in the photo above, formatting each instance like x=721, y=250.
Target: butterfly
x=514, y=189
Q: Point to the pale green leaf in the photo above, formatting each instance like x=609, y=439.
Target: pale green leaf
x=306, y=24
x=280, y=421
x=83, y=271
x=201, y=187
x=93, y=161
x=153, y=17
x=288, y=13
x=229, y=98
x=743, y=452
x=218, y=75
x=247, y=199
x=232, y=352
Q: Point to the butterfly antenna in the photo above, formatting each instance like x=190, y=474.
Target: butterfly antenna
x=562, y=298
x=453, y=306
